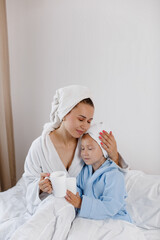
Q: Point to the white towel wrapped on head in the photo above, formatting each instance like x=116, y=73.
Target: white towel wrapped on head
x=94, y=131
x=64, y=101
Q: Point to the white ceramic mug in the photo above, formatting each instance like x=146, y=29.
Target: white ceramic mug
x=58, y=180
x=71, y=184
x=60, y=183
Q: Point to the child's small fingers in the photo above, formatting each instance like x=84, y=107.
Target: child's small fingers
x=69, y=192
x=67, y=198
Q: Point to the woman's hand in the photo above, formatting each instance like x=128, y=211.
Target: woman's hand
x=108, y=142
x=75, y=200
x=45, y=184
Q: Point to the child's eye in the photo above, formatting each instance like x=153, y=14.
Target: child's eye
x=89, y=148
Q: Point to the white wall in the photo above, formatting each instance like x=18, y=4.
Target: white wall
x=112, y=46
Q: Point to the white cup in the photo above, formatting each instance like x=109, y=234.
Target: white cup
x=58, y=180
x=71, y=184
x=61, y=183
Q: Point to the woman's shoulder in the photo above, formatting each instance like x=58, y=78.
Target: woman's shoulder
x=37, y=142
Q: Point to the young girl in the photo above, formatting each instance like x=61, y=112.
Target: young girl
x=101, y=187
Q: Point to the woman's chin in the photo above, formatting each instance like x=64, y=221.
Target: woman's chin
x=76, y=135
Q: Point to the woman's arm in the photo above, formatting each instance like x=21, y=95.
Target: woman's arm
x=31, y=176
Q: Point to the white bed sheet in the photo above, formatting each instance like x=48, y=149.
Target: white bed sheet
x=109, y=229
x=153, y=234
x=143, y=203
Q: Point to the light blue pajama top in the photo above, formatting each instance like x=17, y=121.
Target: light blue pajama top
x=103, y=192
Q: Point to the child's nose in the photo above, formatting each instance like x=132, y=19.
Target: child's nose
x=85, y=152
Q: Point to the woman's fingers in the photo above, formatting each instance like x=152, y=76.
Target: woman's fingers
x=105, y=147
x=109, y=144
x=44, y=183
x=50, y=190
x=105, y=137
x=43, y=175
x=46, y=188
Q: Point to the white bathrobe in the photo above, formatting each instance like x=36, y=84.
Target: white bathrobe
x=43, y=157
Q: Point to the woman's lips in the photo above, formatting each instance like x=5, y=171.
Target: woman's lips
x=80, y=132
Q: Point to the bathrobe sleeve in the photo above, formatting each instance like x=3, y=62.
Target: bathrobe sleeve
x=109, y=203
x=122, y=164
x=31, y=176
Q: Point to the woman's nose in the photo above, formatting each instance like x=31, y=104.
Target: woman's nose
x=84, y=126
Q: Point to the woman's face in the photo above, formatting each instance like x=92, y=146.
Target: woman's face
x=78, y=120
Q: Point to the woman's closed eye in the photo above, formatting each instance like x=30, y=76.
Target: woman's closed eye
x=81, y=119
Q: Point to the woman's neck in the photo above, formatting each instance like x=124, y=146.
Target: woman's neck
x=64, y=137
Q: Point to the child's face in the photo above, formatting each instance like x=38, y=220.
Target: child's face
x=91, y=152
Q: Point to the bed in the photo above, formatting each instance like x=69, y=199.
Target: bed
x=143, y=204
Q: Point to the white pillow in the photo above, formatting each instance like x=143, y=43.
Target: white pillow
x=143, y=201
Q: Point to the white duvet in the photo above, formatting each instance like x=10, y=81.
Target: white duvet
x=53, y=217
x=104, y=230
x=51, y=220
